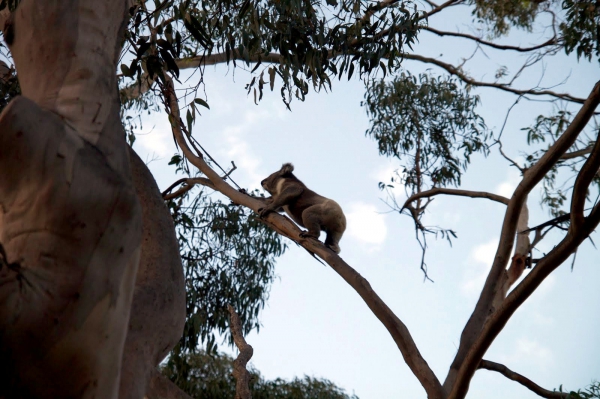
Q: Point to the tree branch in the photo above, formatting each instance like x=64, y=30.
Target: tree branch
x=451, y=69
x=547, y=43
x=578, y=153
x=456, y=192
x=439, y=8
x=219, y=58
x=287, y=228
x=526, y=382
x=377, y=7
x=241, y=375
x=190, y=183
x=275, y=58
x=486, y=322
x=515, y=299
x=582, y=183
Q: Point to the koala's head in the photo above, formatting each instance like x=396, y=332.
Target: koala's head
x=270, y=183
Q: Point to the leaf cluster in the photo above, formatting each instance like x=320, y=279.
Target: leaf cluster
x=581, y=29
x=429, y=123
x=229, y=257
x=501, y=15
x=590, y=392
x=312, y=41
x=210, y=376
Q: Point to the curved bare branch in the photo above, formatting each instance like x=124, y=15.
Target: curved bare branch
x=526, y=382
x=451, y=69
x=456, y=192
x=189, y=184
x=547, y=43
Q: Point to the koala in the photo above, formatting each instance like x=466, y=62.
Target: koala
x=307, y=208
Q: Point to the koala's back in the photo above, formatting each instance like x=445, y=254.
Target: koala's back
x=307, y=199
x=328, y=212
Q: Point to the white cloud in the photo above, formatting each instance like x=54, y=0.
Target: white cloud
x=529, y=352
x=484, y=253
x=240, y=149
x=507, y=187
x=156, y=139
x=365, y=224
x=477, y=269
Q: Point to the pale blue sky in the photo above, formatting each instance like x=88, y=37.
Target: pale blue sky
x=314, y=322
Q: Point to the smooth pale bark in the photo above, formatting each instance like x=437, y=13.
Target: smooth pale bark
x=158, y=307
x=70, y=221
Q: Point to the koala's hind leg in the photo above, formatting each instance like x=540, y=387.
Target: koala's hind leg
x=332, y=240
x=311, y=219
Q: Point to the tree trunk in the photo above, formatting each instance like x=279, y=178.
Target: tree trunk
x=158, y=307
x=70, y=221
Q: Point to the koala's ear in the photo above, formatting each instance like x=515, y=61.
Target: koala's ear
x=286, y=168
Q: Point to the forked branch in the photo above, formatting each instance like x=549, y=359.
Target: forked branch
x=526, y=382
x=486, y=322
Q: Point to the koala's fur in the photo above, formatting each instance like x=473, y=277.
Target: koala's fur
x=304, y=206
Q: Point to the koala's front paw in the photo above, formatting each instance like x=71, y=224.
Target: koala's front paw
x=306, y=234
